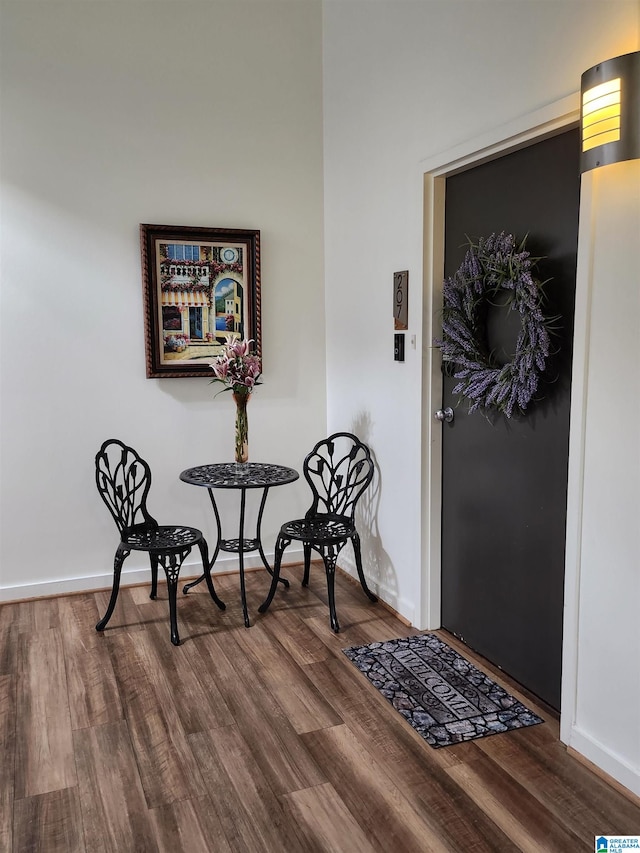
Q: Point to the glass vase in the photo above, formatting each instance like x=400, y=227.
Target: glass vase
x=242, y=428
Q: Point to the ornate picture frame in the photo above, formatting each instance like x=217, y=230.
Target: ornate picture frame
x=199, y=285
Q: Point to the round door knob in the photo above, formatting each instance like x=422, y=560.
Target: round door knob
x=445, y=415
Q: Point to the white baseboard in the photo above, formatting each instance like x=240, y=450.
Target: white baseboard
x=615, y=766
x=191, y=568
x=405, y=608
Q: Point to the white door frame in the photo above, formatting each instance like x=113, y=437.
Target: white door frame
x=535, y=127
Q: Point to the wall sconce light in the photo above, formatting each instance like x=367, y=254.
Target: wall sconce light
x=610, y=112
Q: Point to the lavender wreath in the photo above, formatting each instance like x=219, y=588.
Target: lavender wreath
x=494, y=264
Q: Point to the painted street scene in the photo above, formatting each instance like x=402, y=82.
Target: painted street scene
x=202, y=298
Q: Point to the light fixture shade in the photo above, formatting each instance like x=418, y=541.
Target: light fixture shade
x=610, y=112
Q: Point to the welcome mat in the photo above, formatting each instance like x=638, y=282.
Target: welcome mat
x=443, y=696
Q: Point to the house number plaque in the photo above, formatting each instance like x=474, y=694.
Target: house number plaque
x=400, y=300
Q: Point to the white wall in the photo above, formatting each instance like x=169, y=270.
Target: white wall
x=403, y=82
x=113, y=114
x=601, y=696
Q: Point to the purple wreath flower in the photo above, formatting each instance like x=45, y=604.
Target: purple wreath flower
x=494, y=263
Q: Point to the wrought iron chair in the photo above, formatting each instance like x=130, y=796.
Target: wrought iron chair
x=124, y=479
x=338, y=470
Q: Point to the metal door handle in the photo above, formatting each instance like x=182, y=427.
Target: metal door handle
x=444, y=415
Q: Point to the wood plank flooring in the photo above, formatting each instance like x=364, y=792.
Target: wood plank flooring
x=260, y=739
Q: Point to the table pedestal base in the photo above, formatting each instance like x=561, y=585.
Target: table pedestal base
x=239, y=546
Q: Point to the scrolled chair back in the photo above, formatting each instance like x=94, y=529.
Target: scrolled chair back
x=338, y=470
x=123, y=479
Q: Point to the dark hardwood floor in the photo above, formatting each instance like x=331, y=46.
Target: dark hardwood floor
x=260, y=739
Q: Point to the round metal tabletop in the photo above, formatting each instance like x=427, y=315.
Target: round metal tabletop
x=235, y=475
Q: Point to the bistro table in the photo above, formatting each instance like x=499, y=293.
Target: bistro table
x=240, y=476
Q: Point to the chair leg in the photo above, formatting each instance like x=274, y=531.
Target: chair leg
x=204, y=551
x=307, y=563
x=172, y=587
x=121, y=556
x=329, y=558
x=281, y=544
x=356, y=550
x=172, y=563
x=153, y=559
x=172, y=571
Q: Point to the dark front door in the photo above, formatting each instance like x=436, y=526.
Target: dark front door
x=504, y=484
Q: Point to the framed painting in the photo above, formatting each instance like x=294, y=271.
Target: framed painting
x=200, y=285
